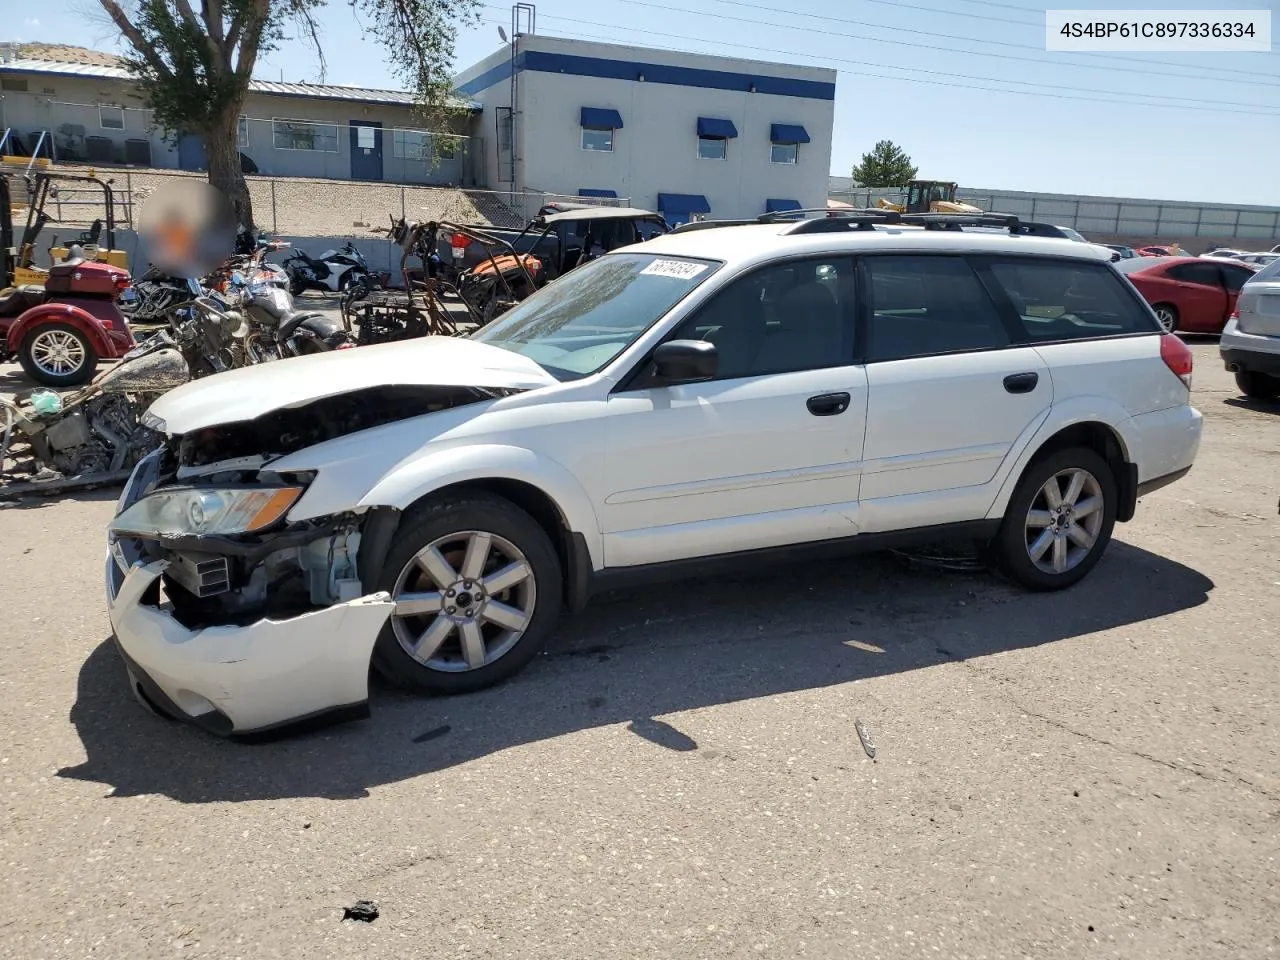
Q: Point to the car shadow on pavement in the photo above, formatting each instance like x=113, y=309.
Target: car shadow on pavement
x=1257, y=406
x=628, y=660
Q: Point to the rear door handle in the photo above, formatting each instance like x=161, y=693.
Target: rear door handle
x=828, y=404
x=1021, y=382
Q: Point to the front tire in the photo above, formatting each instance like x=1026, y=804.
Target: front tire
x=477, y=585
x=58, y=355
x=1167, y=314
x=1059, y=520
x=1257, y=386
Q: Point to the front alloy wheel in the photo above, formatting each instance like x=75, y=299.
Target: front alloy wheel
x=477, y=586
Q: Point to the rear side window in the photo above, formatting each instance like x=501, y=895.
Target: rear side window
x=1270, y=272
x=921, y=306
x=1235, y=277
x=1068, y=300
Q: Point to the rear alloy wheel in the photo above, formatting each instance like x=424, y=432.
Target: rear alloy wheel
x=1059, y=520
x=1167, y=314
x=58, y=355
x=477, y=587
x=1257, y=386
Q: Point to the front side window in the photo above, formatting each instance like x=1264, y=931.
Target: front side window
x=1205, y=274
x=580, y=323
x=111, y=118
x=303, y=135
x=712, y=148
x=598, y=139
x=1066, y=300
x=783, y=318
x=784, y=153
x=921, y=306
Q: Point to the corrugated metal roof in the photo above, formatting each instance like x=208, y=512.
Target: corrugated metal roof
x=313, y=91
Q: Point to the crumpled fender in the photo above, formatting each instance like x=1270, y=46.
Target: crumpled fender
x=420, y=475
x=67, y=313
x=1060, y=416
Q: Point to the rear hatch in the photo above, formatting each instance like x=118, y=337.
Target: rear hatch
x=1259, y=303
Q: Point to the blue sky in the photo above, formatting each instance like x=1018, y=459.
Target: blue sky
x=965, y=86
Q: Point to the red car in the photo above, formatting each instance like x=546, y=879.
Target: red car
x=1154, y=252
x=1189, y=294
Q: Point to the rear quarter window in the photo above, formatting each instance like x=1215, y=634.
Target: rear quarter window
x=1069, y=300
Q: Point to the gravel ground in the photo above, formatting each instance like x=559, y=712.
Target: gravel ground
x=1092, y=773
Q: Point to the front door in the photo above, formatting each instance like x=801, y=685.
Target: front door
x=764, y=454
x=948, y=396
x=366, y=150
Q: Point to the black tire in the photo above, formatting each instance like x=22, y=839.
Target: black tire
x=1168, y=310
x=445, y=517
x=1011, y=546
x=1256, y=385
x=81, y=374
x=296, y=287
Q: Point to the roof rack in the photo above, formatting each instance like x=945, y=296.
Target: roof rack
x=693, y=225
x=958, y=221
x=833, y=219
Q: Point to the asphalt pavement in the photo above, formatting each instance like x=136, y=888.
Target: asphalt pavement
x=1092, y=773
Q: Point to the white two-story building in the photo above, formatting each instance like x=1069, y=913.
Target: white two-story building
x=689, y=135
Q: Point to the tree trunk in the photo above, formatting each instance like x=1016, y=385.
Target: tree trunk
x=224, y=165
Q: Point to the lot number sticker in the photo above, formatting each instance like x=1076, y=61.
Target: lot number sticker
x=680, y=269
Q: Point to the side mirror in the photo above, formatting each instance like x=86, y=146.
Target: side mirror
x=685, y=361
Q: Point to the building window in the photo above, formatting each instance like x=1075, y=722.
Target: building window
x=597, y=138
x=242, y=133
x=13, y=84
x=110, y=118
x=712, y=148
x=304, y=135
x=447, y=148
x=411, y=145
x=784, y=152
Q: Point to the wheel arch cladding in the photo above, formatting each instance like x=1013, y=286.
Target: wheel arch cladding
x=1103, y=440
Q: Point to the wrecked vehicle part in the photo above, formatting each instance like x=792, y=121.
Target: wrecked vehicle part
x=288, y=430
x=235, y=680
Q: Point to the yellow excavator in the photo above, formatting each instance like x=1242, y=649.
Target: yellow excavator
x=929, y=196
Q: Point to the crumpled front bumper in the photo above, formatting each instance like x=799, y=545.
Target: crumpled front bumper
x=234, y=680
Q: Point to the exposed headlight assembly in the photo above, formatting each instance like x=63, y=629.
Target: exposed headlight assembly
x=187, y=511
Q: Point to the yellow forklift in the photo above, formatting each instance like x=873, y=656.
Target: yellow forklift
x=930, y=196
x=98, y=243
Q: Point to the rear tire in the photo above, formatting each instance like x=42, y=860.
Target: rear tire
x=493, y=622
x=57, y=355
x=1256, y=385
x=1040, y=545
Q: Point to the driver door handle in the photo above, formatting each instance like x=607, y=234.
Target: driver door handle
x=828, y=404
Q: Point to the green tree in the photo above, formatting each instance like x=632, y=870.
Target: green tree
x=887, y=165
x=194, y=68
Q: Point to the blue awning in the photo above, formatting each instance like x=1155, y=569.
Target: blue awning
x=713, y=127
x=788, y=133
x=776, y=205
x=603, y=118
x=683, y=203
x=597, y=192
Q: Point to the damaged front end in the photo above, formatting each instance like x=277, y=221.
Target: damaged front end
x=229, y=614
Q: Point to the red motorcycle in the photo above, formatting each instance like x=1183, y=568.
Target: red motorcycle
x=61, y=331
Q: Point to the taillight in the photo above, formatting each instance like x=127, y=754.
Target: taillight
x=1177, y=357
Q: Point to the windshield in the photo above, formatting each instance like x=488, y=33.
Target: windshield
x=579, y=323
x=1268, y=273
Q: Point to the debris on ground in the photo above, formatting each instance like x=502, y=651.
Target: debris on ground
x=864, y=735
x=953, y=557
x=432, y=734
x=365, y=911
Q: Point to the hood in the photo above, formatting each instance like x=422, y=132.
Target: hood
x=251, y=392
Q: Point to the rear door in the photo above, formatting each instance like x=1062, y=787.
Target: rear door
x=949, y=391
x=1199, y=296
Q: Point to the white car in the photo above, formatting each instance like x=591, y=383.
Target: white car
x=431, y=507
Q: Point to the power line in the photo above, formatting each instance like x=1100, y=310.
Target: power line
x=1039, y=61
x=1110, y=99
x=1004, y=43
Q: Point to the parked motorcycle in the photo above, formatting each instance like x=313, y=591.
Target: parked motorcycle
x=332, y=271
x=51, y=442
x=277, y=330
x=151, y=296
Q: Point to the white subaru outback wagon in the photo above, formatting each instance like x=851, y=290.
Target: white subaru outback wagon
x=431, y=507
